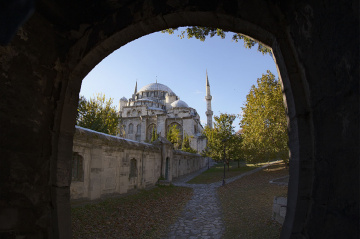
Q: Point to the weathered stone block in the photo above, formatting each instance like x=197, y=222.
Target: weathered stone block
x=281, y=201
x=282, y=212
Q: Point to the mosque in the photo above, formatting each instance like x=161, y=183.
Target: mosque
x=157, y=107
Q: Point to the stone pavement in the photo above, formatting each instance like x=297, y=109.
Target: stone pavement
x=202, y=216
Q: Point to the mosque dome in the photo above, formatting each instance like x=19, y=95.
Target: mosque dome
x=123, y=99
x=171, y=94
x=156, y=87
x=178, y=104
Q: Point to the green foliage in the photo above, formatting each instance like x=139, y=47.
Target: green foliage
x=186, y=145
x=154, y=135
x=222, y=135
x=264, y=122
x=121, y=130
x=201, y=33
x=173, y=135
x=98, y=114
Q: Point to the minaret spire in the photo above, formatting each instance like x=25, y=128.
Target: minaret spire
x=135, y=91
x=135, y=87
x=208, y=97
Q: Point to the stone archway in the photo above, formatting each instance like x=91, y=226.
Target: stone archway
x=57, y=47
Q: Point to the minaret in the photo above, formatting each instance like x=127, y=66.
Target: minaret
x=208, y=98
x=133, y=96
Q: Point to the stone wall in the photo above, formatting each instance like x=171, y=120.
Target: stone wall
x=105, y=164
x=279, y=209
x=184, y=162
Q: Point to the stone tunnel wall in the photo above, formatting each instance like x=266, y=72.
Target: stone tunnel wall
x=316, y=48
x=105, y=164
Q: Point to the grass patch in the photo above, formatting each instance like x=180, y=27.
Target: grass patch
x=146, y=214
x=216, y=173
x=247, y=204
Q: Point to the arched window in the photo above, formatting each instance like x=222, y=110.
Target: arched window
x=139, y=113
x=138, y=132
x=122, y=130
x=128, y=114
x=179, y=127
x=133, y=168
x=131, y=128
x=150, y=130
x=138, y=129
x=77, y=168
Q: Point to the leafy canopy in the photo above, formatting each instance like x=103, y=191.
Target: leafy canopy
x=186, y=145
x=98, y=114
x=201, y=33
x=154, y=135
x=173, y=135
x=222, y=136
x=264, y=122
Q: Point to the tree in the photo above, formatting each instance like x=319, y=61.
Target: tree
x=173, y=135
x=264, y=122
x=221, y=137
x=154, y=135
x=186, y=145
x=98, y=114
x=234, y=148
x=202, y=32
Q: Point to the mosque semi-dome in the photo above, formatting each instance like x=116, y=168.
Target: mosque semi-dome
x=179, y=104
x=156, y=87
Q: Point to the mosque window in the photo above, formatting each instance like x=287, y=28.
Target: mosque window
x=128, y=114
x=131, y=128
x=138, y=129
x=122, y=132
x=77, y=168
x=150, y=129
x=139, y=113
x=133, y=168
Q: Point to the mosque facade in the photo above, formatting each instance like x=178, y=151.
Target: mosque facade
x=155, y=107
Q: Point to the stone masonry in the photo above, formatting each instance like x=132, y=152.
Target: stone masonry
x=105, y=164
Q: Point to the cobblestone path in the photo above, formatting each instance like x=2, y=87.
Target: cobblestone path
x=202, y=216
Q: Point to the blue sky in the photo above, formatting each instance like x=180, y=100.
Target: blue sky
x=181, y=64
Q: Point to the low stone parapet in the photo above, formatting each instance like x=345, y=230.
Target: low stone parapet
x=108, y=165
x=279, y=209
